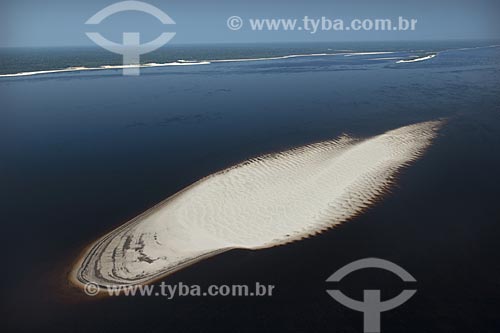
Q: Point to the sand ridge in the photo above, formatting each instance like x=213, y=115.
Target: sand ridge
x=263, y=202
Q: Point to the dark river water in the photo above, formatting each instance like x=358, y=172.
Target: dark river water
x=83, y=152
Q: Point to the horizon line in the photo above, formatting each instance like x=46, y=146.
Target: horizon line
x=269, y=42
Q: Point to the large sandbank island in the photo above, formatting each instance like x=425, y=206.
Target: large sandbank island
x=263, y=202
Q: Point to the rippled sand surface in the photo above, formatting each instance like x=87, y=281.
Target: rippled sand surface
x=262, y=202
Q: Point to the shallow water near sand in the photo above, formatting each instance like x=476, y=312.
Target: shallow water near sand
x=83, y=152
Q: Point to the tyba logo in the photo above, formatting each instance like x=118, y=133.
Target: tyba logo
x=371, y=306
x=131, y=49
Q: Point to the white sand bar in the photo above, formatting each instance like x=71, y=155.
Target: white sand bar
x=263, y=202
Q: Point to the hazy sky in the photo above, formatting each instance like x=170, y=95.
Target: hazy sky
x=61, y=22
